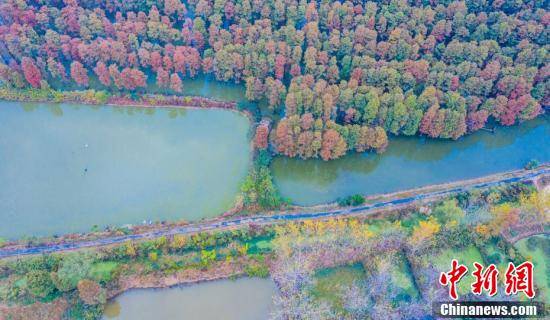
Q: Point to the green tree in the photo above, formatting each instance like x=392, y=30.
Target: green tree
x=448, y=211
x=73, y=268
x=258, y=190
x=39, y=283
x=207, y=257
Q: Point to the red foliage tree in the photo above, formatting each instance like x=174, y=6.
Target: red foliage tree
x=175, y=83
x=306, y=121
x=476, y=120
x=132, y=78
x=79, y=73
x=280, y=62
x=419, y=69
x=262, y=132
x=428, y=120
x=284, y=141
x=167, y=63
x=334, y=146
x=173, y=6
x=179, y=62
x=102, y=73
x=295, y=70
x=193, y=59
x=31, y=72
x=163, y=78
x=156, y=60
x=115, y=75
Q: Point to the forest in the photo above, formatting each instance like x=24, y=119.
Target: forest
x=342, y=75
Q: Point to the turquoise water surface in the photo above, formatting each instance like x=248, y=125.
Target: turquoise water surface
x=411, y=162
x=65, y=168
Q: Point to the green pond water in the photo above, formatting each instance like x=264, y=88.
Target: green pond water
x=242, y=299
x=209, y=87
x=65, y=168
x=413, y=162
x=206, y=86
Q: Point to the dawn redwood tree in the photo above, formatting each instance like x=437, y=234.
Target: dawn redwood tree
x=283, y=139
x=132, y=78
x=79, y=74
x=174, y=6
x=334, y=146
x=102, y=73
x=163, y=78
x=31, y=72
x=115, y=75
x=56, y=69
x=179, y=61
x=156, y=60
x=280, y=62
x=262, y=133
x=175, y=83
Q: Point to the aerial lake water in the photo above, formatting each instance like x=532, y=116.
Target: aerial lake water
x=242, y=299
x=65, y=168
x=411, y=162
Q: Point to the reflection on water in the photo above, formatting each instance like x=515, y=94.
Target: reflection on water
x=66, y=168
x=412, y=162
x=55, y=110
x=112, y=310
x=242, y=299
x=207, y=86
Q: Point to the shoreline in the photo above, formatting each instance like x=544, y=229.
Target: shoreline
x=182, y=278
x=56, y=308
x=193, y=103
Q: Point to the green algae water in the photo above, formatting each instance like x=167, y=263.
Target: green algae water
x=242, y=299
x=65, y=168
x=205, y=86
x=411, y=162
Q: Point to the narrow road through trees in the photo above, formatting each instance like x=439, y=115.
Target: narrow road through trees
x=453, y=188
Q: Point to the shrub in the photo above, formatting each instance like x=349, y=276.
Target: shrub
x=207, y=257
x=82, y=311
x=103, y=271
x=257, y=270
x=354, y=200
x=40, y=283
x=91, y=292
x=531, y=164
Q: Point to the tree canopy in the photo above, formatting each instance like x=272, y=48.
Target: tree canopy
x=345, y=73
